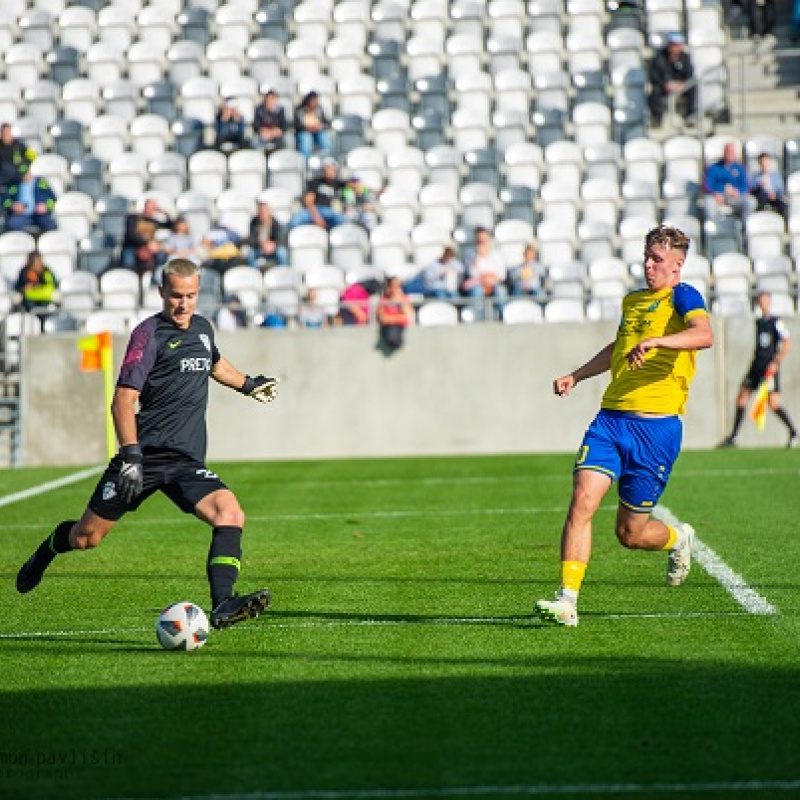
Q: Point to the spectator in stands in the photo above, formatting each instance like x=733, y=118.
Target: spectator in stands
x=15, y=156
x=36, y=283
x=528, y=277
x=182, y=243
x=359, y=205
x=141, y=250
x=441, y=278
x=727, y=186
x=231, y=315
x=269, y=124
x=762, y=16
x=768, y=188
x=223, y=249
x=670, y=71
x=29, y=203
x=311, y=314
x=265, y=248
x=319, y=198
x=229, y=127
x=312, y=127
x=355, y=301
x=394, y=314
x=486, y=274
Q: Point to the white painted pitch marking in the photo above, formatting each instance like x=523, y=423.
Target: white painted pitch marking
x=733, y=583
x=266, y=622
x=491, y=480
x=43, y=488
x=540, y=790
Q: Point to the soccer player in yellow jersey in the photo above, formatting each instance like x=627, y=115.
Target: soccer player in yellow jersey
x=636, y=436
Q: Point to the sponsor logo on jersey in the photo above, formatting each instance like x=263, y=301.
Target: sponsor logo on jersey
x=109, y=490
x=173, y=345
x=195, y=365
x=206, y=341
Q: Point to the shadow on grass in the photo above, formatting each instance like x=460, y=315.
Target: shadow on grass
x=199, y=727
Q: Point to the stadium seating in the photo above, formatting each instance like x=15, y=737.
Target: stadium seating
x=454, y=114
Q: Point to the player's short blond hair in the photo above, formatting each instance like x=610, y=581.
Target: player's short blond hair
x=182, y=267
x=666, y=235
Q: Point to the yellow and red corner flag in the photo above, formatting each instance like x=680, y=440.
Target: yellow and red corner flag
x=758, y=411
x=97, y=353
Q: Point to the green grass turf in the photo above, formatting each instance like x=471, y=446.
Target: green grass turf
x=399, y=652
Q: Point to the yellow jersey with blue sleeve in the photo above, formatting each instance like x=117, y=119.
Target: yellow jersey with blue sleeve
x=661, y=384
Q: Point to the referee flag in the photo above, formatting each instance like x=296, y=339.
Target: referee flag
x=758, y=411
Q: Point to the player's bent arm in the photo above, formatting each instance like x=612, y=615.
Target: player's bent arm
x=597, y=365
x=123, y=412
x=698, y=335
x=225, y=373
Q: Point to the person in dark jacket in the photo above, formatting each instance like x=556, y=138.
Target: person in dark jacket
x=266, y=238
x=229, y=127
x=29, y=204
x=269, y=124
x=670, y=71
x=15, y=156
x=36, y=283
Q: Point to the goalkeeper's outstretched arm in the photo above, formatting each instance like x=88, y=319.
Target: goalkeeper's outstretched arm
x=260, y=388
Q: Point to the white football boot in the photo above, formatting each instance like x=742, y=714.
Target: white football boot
x=679, y=559
x=557, y=612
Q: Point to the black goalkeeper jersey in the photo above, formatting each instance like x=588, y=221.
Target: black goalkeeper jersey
x=170, y=367
x=770, y=332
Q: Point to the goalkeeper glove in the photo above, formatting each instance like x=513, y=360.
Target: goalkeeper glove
x=130, y=481
x=260, y=388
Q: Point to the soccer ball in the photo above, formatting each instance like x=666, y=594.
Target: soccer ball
x=182, y=626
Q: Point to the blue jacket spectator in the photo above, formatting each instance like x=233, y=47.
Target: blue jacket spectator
x=728, y=186
x=29, y=203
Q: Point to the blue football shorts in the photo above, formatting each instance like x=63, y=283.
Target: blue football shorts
x=636, y=452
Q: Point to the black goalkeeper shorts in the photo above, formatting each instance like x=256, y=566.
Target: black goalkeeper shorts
x=185, y=481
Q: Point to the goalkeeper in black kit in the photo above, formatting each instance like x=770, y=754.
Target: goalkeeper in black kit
x=165, y=372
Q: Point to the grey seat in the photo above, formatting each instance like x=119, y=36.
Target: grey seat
x=430, y=130
x=161, y=98
x=483, y=166
x=63, y=64
x=88, y=176
x=188, y=135
x=67, y=136
x=393, y=92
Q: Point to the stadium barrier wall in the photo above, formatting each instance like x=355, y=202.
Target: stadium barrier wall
x=451, y=390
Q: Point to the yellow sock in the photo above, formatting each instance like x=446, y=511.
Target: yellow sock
x=673, y=537
x=572, y=573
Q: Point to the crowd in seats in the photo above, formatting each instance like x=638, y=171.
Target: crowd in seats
x=437, y=125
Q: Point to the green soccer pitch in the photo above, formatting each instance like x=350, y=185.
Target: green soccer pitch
x=399, y=657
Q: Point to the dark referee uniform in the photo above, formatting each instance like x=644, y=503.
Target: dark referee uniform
x=770, y=332
x=170, y=368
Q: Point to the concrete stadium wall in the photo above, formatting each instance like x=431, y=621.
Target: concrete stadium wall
x=460, y=390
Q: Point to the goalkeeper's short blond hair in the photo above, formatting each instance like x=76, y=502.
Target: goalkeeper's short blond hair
x=181, y=267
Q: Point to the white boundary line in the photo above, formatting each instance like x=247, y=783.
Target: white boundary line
x=42, y=488
x=540, y=790
x=733, y=583
x=268, y=623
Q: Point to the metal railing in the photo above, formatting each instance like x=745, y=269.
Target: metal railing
x=735, y=63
